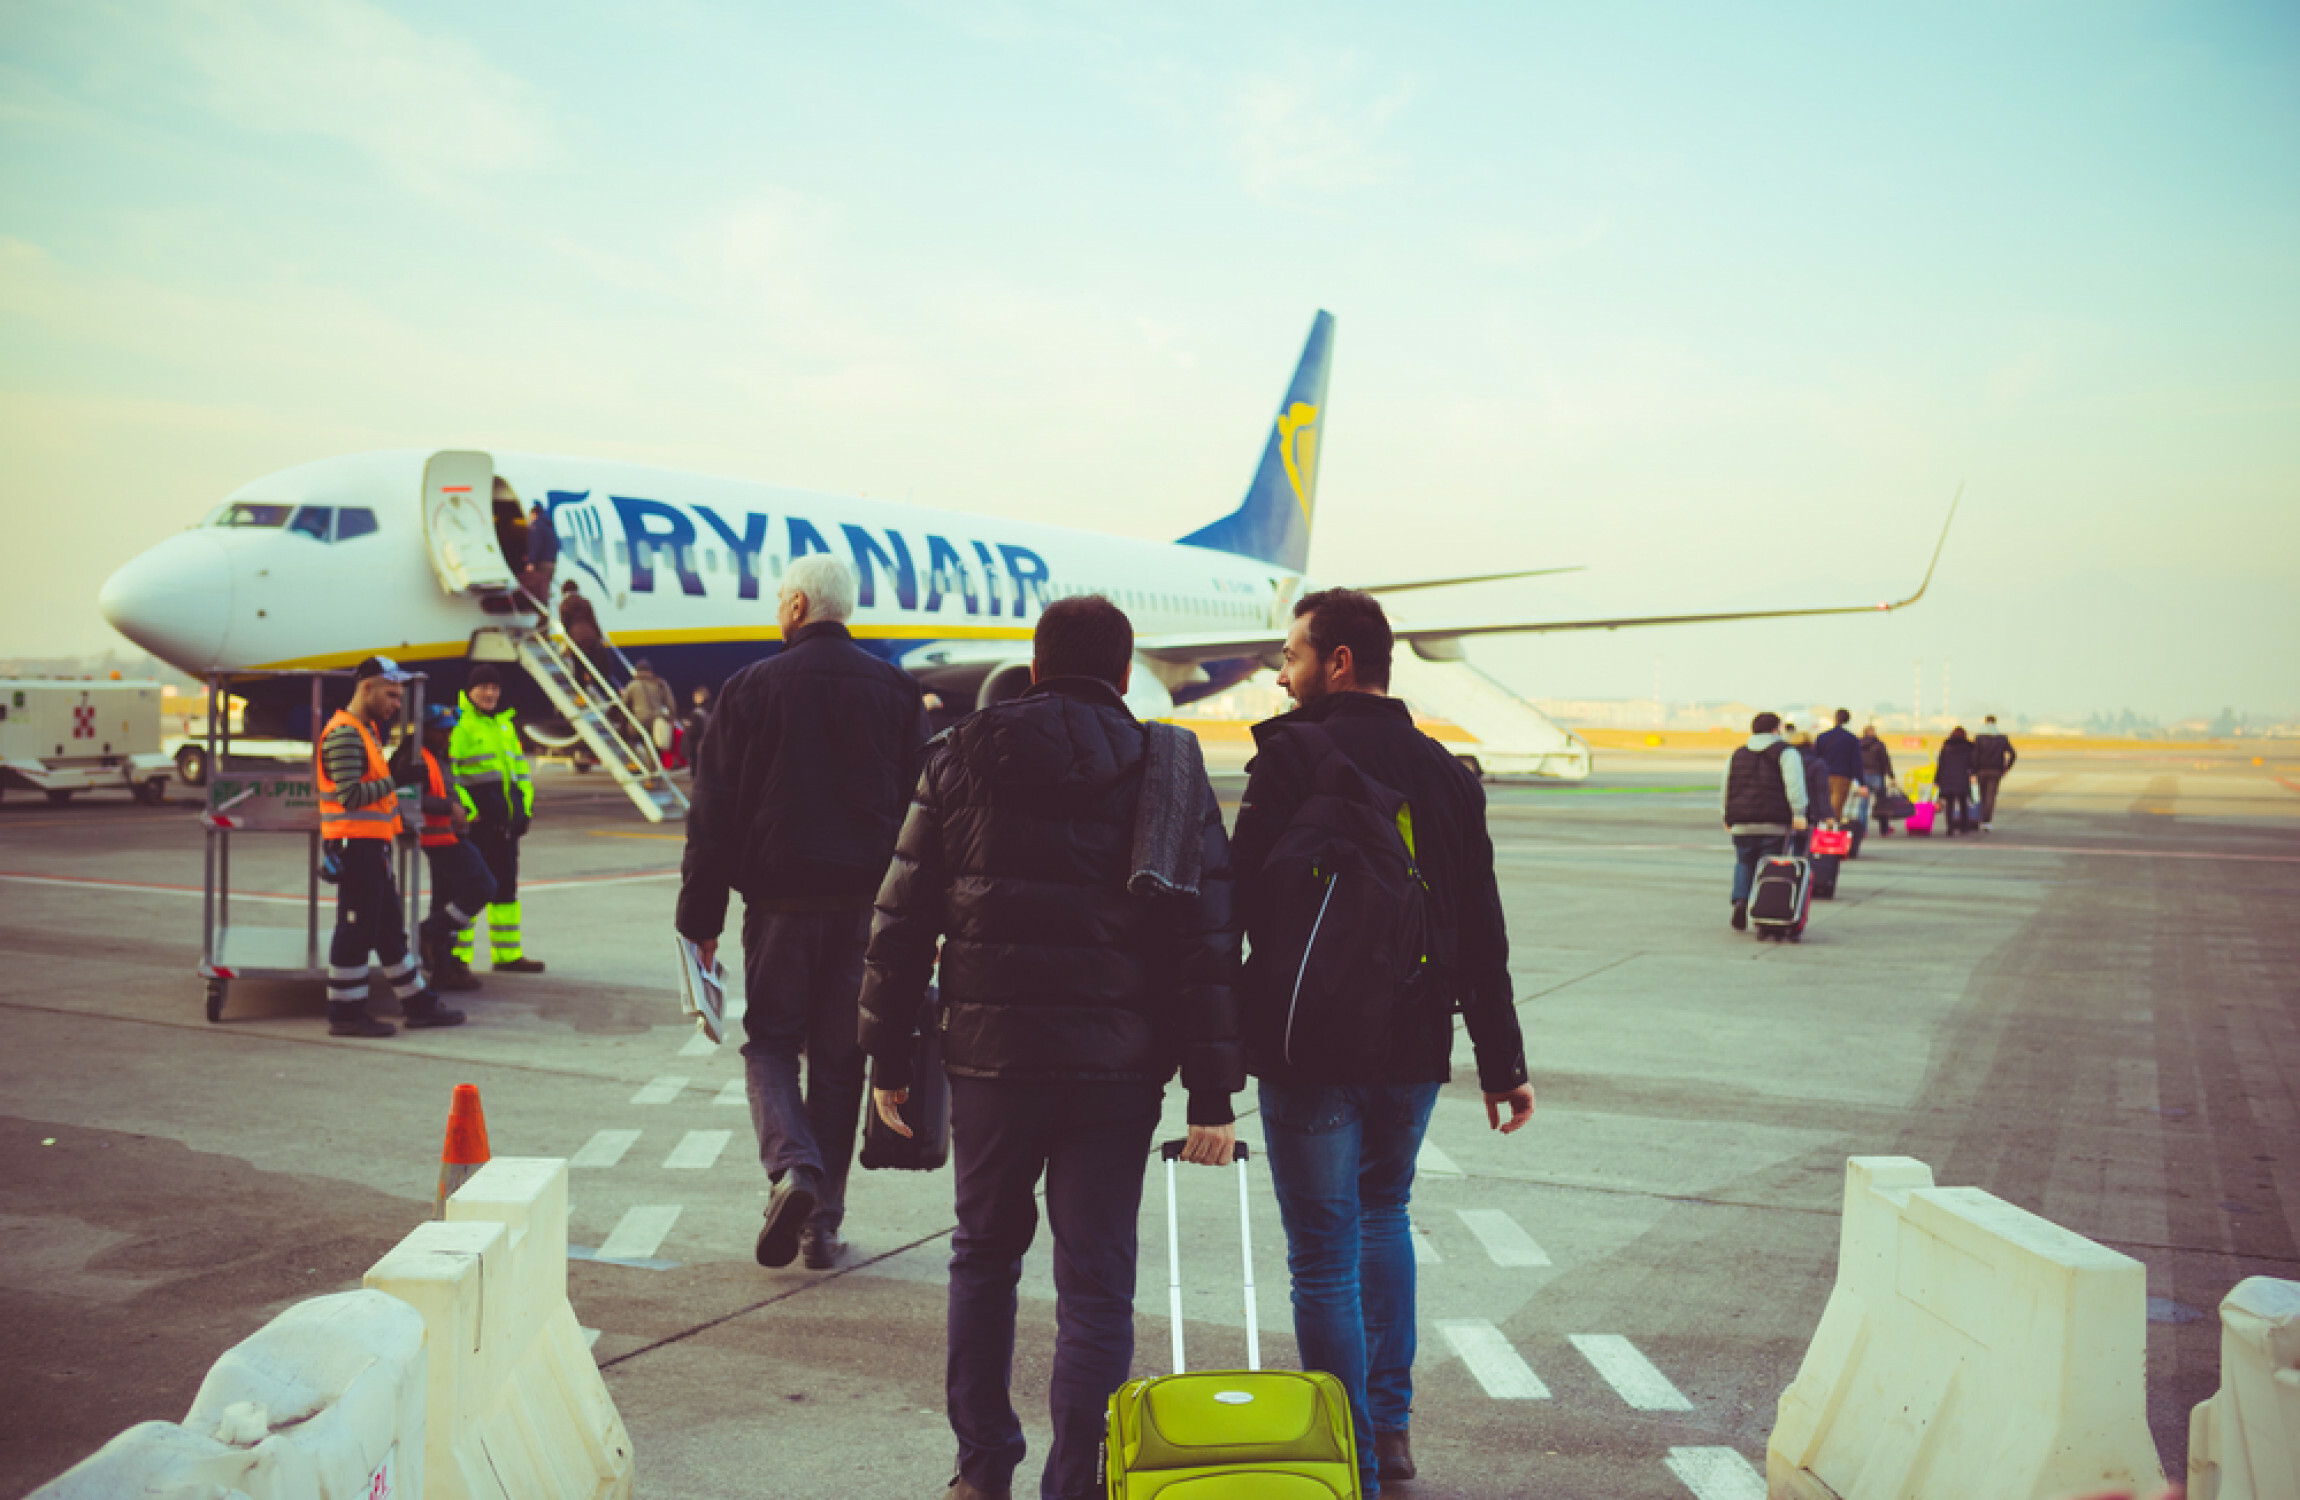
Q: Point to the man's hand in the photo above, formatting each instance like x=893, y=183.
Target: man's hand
x=708, y=952
x=1210, y=1145
x=886, y=1102
x=1798, y=824
x=1520, y=1102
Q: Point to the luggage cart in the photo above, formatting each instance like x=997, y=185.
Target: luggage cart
x=270, y=796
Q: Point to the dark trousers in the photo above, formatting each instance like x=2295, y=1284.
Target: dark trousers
x=802, y=979
x=461, y=883
x=498, y=846
x=368, y=920
x=1988, y=781
x=1092, y=1142
x=1749, y=851
x=1956, y=812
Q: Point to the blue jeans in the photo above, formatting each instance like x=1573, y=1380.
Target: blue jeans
x=802, y=984
x=1749, y=851
x=1342, y=1162
x=1092, y=1142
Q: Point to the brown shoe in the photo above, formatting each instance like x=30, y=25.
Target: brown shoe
x=518, y=966
x=1395, y=1452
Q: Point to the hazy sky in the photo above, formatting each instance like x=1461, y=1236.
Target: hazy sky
x=1721, y=301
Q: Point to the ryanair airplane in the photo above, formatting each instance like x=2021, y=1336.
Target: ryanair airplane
x=415, y=555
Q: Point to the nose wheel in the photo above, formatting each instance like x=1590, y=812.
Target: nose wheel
x=216, y=989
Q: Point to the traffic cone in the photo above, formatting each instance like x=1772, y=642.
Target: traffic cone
x=465, y=1150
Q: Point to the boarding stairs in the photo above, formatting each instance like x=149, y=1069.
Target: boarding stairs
x=595, y=711
x=1513, y=737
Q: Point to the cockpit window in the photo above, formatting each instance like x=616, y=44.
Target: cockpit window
x=251, y=513
x=313, y=521
x=353, y=520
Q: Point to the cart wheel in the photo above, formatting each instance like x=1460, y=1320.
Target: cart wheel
x=151, y=793
x=60, y=794
x=192, y=765
x=215, y=1001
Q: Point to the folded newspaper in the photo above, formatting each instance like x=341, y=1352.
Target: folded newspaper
x=702, y=991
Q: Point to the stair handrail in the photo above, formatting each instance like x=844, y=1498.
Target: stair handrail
x=586, y=676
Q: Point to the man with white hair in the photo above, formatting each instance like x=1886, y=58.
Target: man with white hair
x=801, y=782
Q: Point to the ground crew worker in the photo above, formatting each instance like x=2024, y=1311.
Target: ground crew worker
x=461, y=884
x=498, y=791
x=359, y=816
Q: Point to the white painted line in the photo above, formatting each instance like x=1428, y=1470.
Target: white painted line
x=698, y=1045
x=590, y=1338
x=662, y=1091
x=604, y=1149
x=732, y=1092
x=639, y=1233
x=1503, y=1240
x=1505, y=1376
x=700, y=1149
x=1717, y=1474
x=1433, y=1161
x=1425, y=1249
x=1629, y=1372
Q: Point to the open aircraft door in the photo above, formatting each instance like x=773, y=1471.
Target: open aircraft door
x=459, y=524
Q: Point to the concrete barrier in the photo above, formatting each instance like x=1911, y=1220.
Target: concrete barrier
x=516, y=1407
x=325, y=1402
x=1969, y=1349
x=2244, y=1439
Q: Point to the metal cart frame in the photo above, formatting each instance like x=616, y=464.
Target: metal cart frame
x=284, y=801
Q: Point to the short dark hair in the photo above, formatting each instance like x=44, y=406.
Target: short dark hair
x=1765, y=724
x=1844, y=716
x=1083, y=636
x=1348, y=617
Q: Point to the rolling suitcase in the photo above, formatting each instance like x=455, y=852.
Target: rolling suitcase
x=1830, y=844
x=1781, y=898
x=1920, y=820
x=1228, y=1434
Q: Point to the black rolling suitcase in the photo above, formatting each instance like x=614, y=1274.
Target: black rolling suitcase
x=1782, y=897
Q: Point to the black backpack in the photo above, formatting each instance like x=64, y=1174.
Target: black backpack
x=1341, y=935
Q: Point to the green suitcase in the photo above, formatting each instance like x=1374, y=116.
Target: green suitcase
x=1250, y=1434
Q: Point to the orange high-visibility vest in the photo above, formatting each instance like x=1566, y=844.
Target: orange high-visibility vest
x=438, y=828
x=379, y=820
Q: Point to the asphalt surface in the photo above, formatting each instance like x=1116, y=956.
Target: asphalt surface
x=2090, y=1012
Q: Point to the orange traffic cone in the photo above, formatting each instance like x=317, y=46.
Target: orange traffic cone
x=465, y=1150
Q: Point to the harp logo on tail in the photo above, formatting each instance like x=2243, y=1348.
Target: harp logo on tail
x=1298, y=446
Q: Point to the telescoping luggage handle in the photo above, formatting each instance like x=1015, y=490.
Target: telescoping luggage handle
x=1172, y=1152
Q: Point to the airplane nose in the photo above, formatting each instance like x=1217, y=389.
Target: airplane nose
x=175, y=601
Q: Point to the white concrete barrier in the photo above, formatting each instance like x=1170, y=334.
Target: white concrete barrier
x=517, y=1410
x=325, y=1402
x=2244, y=1439
x=1969, y=1350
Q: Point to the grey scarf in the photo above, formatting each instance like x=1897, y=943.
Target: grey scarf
x=1168, y=854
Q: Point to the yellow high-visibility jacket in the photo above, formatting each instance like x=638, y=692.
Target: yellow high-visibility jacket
x=486, y=751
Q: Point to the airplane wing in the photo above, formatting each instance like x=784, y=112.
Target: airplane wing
x=1230, y=646
x=1447, y=583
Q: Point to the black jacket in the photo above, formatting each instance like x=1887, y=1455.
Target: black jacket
x=1953, y=771
x=1015, y=856
x=1818, y=804
x=1993, y=752
x=800, y=781
x=1452, y=849
x=1876, y=760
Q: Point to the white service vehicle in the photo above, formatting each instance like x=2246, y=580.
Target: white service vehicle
x=61, y=737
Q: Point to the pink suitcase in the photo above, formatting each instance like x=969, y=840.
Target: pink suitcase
x=1920, y=820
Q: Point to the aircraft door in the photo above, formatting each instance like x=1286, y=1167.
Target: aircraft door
x=459, y=524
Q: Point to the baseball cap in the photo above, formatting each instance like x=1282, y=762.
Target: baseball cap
x=439, y=716
x=383, y=667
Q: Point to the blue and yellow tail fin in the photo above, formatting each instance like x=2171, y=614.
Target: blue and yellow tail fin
x=1273, y=523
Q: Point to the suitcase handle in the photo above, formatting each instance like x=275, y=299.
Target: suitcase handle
x=1171, y=1152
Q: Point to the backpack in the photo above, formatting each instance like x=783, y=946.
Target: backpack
x=1342, y=931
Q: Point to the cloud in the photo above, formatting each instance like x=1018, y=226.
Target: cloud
x=1314, y=129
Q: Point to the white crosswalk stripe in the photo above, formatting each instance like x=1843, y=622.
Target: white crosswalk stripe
x=1425, y=1249
x=1433, y=1162
x=604, y=1149
x=1629, y=1372
x=698, y=1150
x=639, y=1233
x=1498, y=1367
x=661, y=1091
x=731, y=1093
x=698, y=1045
x=1716, y=1474
x=1503, y=1239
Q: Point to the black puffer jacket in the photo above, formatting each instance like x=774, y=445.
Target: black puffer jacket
x=1015, y=856
x=801, y=780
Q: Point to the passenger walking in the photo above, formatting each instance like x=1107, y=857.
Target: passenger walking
x=1953, y=780
x=461, y=885
x=1993, y=757
x=1072, y=863
x=1345, y=1103
x=1877, y=772
x=542, y=556
x=799, y=790
x=1764, y=794
x=580, y=623
x=1815, y=800
x=1841, y=753
x=649, y=700
x=497, y=788
x=359, y=817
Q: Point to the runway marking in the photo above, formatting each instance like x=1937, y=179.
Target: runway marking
x=604, y=1149
x=1425, y=1249
x=1716, y=1474
x=1434, y=1162
x=1505, y=1376
x=617, y=833
x=639, y=1233
x=698, y=1150
x=326, y=897
x=1630, y=1373
x=1503, y=1239
x=698, y=1045
x=732, y=1092
x=661, y=1091
x=590, y=1337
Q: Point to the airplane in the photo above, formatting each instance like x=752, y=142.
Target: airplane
x=414, y=555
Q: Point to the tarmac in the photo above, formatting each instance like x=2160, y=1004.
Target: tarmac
x=2090, y=1012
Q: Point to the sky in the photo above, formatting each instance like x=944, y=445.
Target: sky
x=1723, y=303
